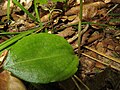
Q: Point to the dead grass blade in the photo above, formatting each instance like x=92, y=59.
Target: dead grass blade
x=102, y=54
x=101, y=62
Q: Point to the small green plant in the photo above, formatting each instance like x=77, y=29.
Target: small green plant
x=36, y=2
x=39, y=58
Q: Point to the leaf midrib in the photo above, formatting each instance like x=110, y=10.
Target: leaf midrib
x=15, y=63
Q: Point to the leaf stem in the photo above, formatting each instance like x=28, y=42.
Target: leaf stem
x=10, y=33
x=8, y=10
x=80, y=28
x=36, y=11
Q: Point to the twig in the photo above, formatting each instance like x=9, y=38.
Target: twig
x=76, y=83
x=81, y=82
x=85, y=29
x=109, y=11
x=112, y=9
x=102, y=54
x=3, y=57
x=73, y=38
x=100, y=61
x=76, y=36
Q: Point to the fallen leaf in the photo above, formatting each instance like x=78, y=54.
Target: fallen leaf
x=8, y=82
x=89, y=10
x=3, y=7
x=112, y=1
x=67, y=32
x=4, y=80
x=26, y=3
x=16, y=84
x=50, y=16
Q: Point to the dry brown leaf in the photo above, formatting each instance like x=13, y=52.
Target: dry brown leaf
x=112, y=1
x=86, y=36
x=74, y=44
x=89, y=1
x=67, y=32
x=26, y=3
x=8, y=82
x=4, y=80
x=49, y=16
x=71, y=18
x=89, y=10
x=73, y=39
x=3, y=57
x=117, y=49
x=99, y=65
x=73, y=11
x=93, y=38
x=70, y=2
x=3, y=7
x=16, y=84
x=17, y=16
x=75, y=21
x=100, y=47
x=64, y=18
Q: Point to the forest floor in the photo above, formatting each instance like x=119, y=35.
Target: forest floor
x=99, y=67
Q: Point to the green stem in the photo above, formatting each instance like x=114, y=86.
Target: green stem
x=10, y=33
x=36, y=11
x=80, y=28
x=8, y=10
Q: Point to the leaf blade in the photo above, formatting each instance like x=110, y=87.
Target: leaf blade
x=46, y=1
x=45, y=61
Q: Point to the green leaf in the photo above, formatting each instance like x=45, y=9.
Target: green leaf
x=42, y=58
x=45, y=1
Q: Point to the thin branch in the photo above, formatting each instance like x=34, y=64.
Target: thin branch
x=82, y=82
x=112, y=9
x=76, y=83
x=101, y=61
x=102, y=54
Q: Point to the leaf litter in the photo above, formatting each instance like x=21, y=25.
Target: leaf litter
x=102, y=36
